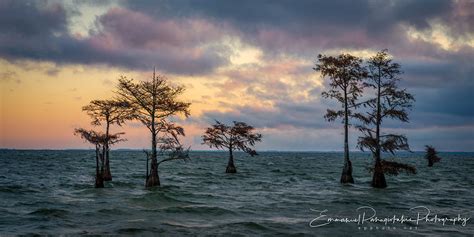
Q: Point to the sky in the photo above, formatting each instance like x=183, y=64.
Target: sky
x=243, y=60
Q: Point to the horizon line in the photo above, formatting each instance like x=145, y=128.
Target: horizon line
x=267, y=150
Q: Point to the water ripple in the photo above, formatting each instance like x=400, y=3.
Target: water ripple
x=272, y=194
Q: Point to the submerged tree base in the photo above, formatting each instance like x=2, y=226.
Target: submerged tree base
x=230, y=169
x=99, y=182
x=347, y=179
x=378, y=180
x=107, y=176
x=346, y=176
x=152, y=181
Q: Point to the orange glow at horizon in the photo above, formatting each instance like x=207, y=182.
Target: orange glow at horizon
x=41, y=102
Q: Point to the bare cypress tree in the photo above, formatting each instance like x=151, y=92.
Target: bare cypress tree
x=108, y=112
x=240, y=136
x=153, y=102
x=100, y=141
x=345, y=72
x=390, y=102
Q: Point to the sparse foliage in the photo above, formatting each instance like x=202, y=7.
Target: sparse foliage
x=169, y=144
x=240, y=136
x=98, y=138
x=395, y=168
x=389, y=102
x=153, y=103
x=108, y=112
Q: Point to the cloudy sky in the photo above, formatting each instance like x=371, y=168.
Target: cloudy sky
x=239, y=60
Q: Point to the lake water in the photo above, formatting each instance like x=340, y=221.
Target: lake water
x=275, y=193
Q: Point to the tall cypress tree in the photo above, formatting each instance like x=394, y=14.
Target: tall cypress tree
x=344, y=72
x=389, y=102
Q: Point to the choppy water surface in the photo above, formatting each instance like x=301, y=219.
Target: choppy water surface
x=276, y=193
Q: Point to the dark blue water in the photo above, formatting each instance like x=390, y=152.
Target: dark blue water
x=276, y=193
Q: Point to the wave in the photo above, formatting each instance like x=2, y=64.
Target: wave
x=199, y=198
x=198, y=209
x=114, y=211
x=50, y=212
x=188, y=225
x=249, y=225
x=132, y=230
x=17, y=189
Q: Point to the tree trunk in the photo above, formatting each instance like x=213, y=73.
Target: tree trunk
x=230, y=165
x=430, y=163
x=102, y=162
x=99, y=181
x=153, y=179
x=346, y=176
x=378, y=180
x=147, y=173
x=107, y=173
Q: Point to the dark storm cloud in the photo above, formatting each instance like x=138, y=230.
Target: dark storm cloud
x=306, y=14
x=38, y=31
x=23, y=19
x=454, y=100
x=417, y=13
x=303, y=26
x=445, y=69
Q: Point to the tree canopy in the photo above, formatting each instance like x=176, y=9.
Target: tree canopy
x=152, y=100
x=390, y=102
x=240, y=136
x=98, y=138
x=345, y=72
x=109, y=111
